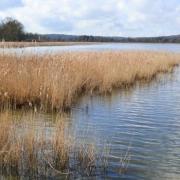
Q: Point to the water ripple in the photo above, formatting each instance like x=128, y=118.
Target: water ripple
x=146, y=124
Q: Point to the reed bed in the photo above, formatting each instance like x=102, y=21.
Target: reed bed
x=36, y=43
x=34, y=152
x=55, y=81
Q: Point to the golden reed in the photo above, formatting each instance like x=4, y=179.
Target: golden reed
x=28, y=150
x=34, y=44
x=54, y=81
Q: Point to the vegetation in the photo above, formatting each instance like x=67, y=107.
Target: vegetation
x=35, y=43
x=55, y=81
x=51, y=82
x=29, y=151
x=86, y=38
x=13, y=30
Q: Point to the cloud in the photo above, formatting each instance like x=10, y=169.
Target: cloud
x=5, y=4
x=100, y=17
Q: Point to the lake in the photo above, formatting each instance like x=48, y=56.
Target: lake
x=97, y=47
x=140, y=125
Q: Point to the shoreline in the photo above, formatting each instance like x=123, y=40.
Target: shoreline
x=66, y=43
x=55, y=81
x=40, y=44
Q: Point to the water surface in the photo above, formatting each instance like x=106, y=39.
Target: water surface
x=97, y=47
x=141, y=126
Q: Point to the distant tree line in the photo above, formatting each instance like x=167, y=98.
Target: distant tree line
x=86, y=38
x=13, y=30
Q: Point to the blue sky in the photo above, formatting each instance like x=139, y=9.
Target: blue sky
x=96, y=17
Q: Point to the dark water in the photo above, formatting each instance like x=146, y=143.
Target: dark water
x=141, y=126
x=97, y=47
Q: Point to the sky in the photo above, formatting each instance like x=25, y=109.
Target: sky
x=96, y=17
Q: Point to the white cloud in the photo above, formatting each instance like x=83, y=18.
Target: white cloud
x=100, y=17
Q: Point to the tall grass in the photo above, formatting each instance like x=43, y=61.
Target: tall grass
x=55, y=81
x=32, y=44
x=35, y=152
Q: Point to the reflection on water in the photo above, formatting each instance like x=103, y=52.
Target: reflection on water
x=139, y=127
x=142, y=126
x=96, y=47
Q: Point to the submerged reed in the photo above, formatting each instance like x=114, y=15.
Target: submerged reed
x=35, y=152
x=54, y=81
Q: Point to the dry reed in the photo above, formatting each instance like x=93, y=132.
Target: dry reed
x=31, y=152
x=34, y=43
x=54, y=81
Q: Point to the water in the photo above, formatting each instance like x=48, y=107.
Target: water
x=96, y=47
x=141, y=126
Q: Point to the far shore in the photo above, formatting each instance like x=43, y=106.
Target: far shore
x=24, y=44
x=35, y=43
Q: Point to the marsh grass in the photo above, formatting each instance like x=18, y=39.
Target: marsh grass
x=34, y=44
x=55, y=81
x=33, y=152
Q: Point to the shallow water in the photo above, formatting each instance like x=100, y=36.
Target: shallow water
x=96, y=47
x=141, y=126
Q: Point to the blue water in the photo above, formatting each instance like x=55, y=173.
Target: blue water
x=141, y=126
x=97, y=47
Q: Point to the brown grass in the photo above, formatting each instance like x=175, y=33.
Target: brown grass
x=33, y=44
x=55, y=81
x=31, y=152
